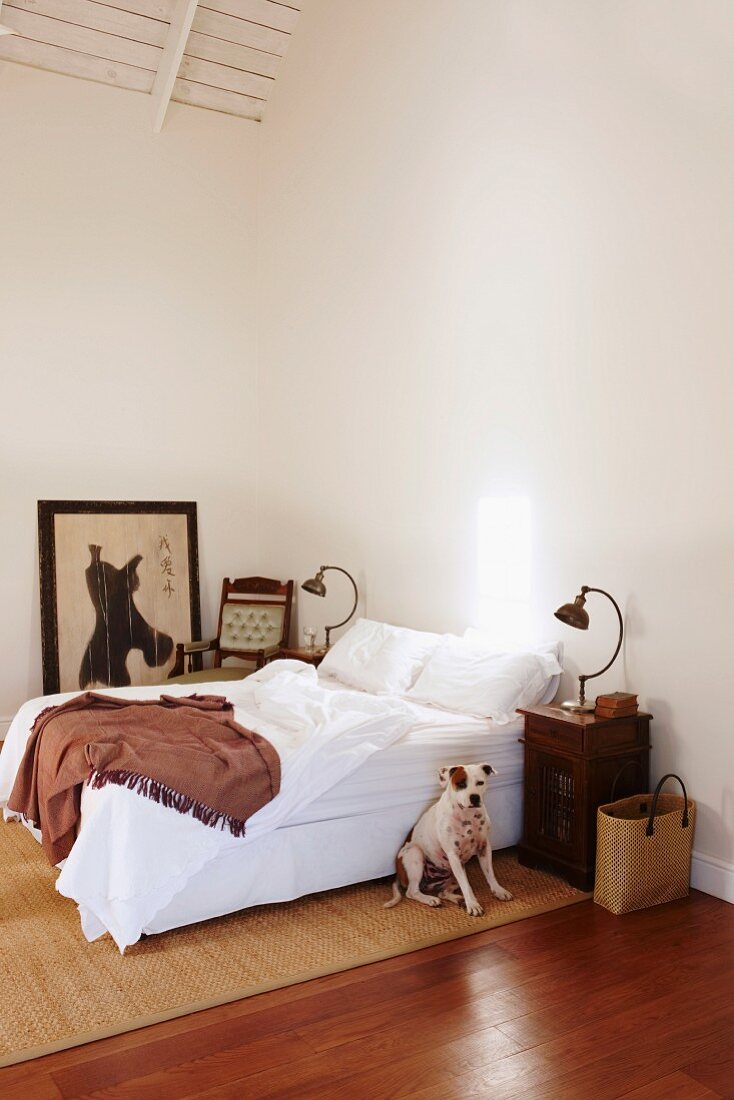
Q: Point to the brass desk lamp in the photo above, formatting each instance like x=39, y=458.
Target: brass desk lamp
x=315, y=585
x=575, y=614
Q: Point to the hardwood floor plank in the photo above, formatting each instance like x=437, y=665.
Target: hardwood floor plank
x=384, y=1077
x=563, y=1014
x=190, y=1077
x=674, y=1086
x=183, y=1065
x=448, y=1007
x=39, y=1088
x=465, y=1086
x=717, y=1070
x=381, y=1059
x=637, y=1065
x=629, y=1067
x=653, y=1026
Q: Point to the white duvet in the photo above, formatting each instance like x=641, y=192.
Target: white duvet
x=132, y=856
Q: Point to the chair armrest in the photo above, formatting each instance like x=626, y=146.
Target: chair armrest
x=200, y=647
x=192, y=651
x=271, y=653
x=264, y=654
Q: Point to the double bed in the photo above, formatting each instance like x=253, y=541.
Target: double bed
x=358, y=770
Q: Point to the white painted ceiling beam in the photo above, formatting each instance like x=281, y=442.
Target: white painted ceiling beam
x=173, y=50
x=4, y=30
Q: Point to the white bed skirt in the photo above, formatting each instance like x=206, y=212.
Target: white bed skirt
x=320, y=855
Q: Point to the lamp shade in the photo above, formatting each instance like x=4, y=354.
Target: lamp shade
x=315, y=585
x=574, y=614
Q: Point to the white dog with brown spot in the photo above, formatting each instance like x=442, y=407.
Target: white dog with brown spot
x=430, y=865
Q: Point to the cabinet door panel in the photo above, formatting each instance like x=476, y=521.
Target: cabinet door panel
x=553, y=804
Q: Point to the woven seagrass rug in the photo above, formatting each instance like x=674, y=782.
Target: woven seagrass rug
x=58, y=991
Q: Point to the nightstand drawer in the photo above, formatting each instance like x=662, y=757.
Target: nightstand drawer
x=556, y=735
x=617, y=735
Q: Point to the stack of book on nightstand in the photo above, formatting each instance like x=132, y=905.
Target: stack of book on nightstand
x=620, y=704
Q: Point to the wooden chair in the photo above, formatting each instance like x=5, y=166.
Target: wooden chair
x=254, y=625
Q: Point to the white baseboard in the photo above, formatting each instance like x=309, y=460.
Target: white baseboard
x=713, y=876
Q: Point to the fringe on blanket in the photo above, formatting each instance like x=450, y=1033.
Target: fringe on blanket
x=166, y=796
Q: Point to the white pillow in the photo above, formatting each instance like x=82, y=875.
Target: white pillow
x=555, y=648
x=481, y=641
x=378, y=657
x=462, y=676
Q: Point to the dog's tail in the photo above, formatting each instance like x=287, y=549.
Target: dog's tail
x=396, y=898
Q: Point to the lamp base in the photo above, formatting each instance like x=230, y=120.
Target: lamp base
x=575, y=707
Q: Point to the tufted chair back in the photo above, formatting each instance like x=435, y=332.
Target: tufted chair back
x=255, y=615
x=248, y=626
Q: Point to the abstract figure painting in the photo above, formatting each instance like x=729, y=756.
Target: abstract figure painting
x=119, y=626
x=119, y=582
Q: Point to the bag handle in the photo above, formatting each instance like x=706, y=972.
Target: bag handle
x=629, y=764
x=650, y=831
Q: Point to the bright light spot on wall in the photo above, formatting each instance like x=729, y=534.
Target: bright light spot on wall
x=504, y=539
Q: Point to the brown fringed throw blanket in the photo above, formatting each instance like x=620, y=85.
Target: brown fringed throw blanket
x=186, y=753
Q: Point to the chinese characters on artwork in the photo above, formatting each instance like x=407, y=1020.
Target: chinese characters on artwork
x=166, y=565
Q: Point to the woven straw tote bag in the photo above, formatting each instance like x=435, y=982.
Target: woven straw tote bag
x=643, y=850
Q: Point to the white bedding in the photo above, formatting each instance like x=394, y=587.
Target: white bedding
x=357, y=770
x=407, y=771
x=133, y=856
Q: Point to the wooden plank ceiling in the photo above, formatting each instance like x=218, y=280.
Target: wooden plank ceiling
x=227, y=61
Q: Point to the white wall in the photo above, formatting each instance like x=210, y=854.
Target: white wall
x=126, y=328
x=497, y=248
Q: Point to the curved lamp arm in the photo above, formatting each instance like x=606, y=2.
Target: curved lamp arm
x=582, y=679
x=335, y=626
x=574, y=615
x=317, y=587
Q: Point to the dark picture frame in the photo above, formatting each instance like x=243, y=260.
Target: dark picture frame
x=151, y=639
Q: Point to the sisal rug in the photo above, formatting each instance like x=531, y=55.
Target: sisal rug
x=59, y=991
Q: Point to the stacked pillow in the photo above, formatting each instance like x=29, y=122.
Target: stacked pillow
x=378, y=657
x=456, y=674
x=464, y=675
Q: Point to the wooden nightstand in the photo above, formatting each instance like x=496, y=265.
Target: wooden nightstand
x=310, y=656
x=570, y=764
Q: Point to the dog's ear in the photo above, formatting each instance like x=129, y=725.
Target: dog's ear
x=488, y=769
x=443, y=776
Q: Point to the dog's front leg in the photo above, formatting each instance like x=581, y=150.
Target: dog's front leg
x=473, y=907
x=485, y=862
x=413, y=861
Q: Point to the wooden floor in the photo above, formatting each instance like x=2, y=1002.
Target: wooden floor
x=575, y=1003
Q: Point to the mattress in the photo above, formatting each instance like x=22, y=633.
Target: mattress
x=407, y=772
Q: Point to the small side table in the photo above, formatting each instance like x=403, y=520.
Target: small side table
x=571, y=761
x=310, y=656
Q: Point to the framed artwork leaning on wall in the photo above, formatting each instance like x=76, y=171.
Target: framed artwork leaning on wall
x=119, y=583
